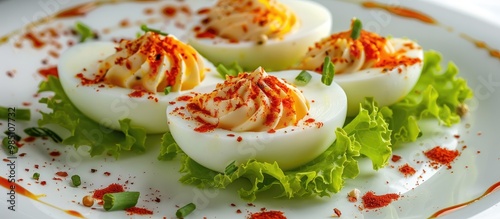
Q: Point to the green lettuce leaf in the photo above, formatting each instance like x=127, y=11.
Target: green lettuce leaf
x=373, y=133
x=438, y=94
x=85, y=131
x=322, y=176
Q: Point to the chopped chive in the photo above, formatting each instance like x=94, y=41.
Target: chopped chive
x=356, y=27
x=9, y=145
x=145, y=28
x=14, y=135
x=231, y=168
x=223, y=71
x=232, y=70
x=303, y=78
x=167, y=89
x=328, y=71
x=43, y=132
x=84, y=31
x=120, y=200
x=36, y=176
x=18, y=114
x=75, y=179
x=185, y=211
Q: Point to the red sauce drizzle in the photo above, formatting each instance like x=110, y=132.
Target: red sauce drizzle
x=24, y=192
x=77, y=10
x=450, y=209
x=494, y=53
x=401, y=11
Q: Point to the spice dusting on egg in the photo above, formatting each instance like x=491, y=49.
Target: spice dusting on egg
x=253, y=101
x=368, y=60
x=150, y=63
x=260, y=116
x=248, y=20
x=369, y=50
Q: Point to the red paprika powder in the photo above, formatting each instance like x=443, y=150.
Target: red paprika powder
x=407, y=170
x=267, y=215
x=138, y=211
x=441, y=156
x=112, y=188
x=371, y=201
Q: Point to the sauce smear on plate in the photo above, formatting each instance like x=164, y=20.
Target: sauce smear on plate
x=450, y=209
x=18, y=189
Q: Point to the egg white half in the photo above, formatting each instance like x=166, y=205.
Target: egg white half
x=276, y=54
x=386, y=87
x=107, y=104
x=290, y=147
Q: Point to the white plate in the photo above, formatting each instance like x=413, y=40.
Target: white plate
x=471, y=175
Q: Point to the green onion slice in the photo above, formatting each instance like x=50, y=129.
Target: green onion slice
x=145, y=28
x=14, y=135
x=231, y=168
x=303, y=78
x=36, y=176
x=328, y=71
x=84, y=31
x=43, y=132
x=185, y=211
x=9, y=145
x=356, y=27
x=76, y=180
x=168, y=89
x=18, y=114
x=120, y=200
x=231, y=70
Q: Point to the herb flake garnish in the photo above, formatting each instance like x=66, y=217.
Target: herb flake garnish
x=145, y=28
x=185, y=210
x=303, y=78
x=356, y=27
x=231, y=70
x=20, y=114
x=167, y=89
x=328, y=71
x=84, y=31
x=231, y=168
x=43, y=132
x=120, y=200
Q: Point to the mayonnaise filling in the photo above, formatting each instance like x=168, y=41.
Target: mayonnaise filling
x=151, y=63
x=250, y=20
x=253, y=101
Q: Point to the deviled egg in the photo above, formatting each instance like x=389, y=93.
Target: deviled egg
x=268, y=33
x=109, y=82
x=258, y=116
x=386, y=69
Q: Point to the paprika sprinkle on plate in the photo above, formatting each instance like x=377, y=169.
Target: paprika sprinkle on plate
x=372, y=201
x=407, y=170
x=442, y=156
x=267, y=215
